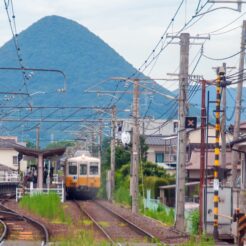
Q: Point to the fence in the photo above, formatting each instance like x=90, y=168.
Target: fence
x=20, y=192
x=9, y=177
x=240, y=218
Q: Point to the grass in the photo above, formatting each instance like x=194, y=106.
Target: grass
x=196, y=241
x=194, y=219
x=161, y=214
x=46, y=205
x=84, y=238
x=122, y=195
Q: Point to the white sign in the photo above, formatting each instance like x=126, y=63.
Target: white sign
x=216, y=184
x=125, y=137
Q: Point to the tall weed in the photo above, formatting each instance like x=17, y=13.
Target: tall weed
x=45, y=205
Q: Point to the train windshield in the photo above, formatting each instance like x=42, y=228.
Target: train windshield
x=83, y=169
x=72, y=168
x=93, y=168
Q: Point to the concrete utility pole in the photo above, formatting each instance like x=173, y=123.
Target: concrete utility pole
x=40, y=165
x=223, y=129
x=112, y=155
x=202, y=155
x=183, y=84
x=135, y=147
x=235, y=155
x=182, y=139
x=100, y=141
x=37, y=137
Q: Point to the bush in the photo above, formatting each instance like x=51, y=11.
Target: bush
x=122, y=195
x=152, y=183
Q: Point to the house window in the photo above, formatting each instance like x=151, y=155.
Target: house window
x=15, y=160
x=175, y=127
x=159, y=157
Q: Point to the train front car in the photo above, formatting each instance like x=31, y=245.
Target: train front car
x=82, y=177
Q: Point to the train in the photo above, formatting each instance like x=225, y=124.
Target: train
x=82, y=176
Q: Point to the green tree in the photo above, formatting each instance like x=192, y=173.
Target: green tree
x=60, y=144
x=30, y=144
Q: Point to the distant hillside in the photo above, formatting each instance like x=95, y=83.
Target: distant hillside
x=58, y=43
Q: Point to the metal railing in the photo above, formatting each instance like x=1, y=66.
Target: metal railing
x=59, y=190
x=55, y=179
x=9, y=177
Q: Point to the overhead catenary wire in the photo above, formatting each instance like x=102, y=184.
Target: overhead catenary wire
x=13, y=30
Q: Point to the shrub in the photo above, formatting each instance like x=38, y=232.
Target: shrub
x=152, y=183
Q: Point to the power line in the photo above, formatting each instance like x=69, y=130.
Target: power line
x=224, y=58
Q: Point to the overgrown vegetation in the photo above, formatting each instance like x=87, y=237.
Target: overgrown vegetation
x=45, y=205
x=163, y=214
x=83, y=239
x=199, y=241
x=60, y=144
x=194, y=220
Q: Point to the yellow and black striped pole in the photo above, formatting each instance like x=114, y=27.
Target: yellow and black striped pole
x=217, y=153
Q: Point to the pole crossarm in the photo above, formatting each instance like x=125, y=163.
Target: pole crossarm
x=131, y=80
x=191, y=37
x=52, y=120
x=41, y=70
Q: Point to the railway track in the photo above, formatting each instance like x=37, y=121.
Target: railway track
x=164, y=234
x=116, y=229
x=20, y=228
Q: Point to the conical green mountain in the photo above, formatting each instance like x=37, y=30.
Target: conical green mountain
x=58, y=43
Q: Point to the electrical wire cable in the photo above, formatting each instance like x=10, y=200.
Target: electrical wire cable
x=224, y=58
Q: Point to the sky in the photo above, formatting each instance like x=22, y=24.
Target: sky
x=134, y=27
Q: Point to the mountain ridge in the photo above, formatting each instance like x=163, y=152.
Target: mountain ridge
x=59, y=43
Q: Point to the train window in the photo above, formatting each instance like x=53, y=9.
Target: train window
x=93, y=168
x=83, y=169
x=72, y=168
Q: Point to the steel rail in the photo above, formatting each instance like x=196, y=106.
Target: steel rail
x=32, y=221
x=95, y=222
x=4, y=233
x=132, y=225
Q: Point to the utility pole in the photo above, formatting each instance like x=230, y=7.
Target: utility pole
x=135, y=146
x=202, y=155
x=112, y=154
x=220, y=76
x=223, y=129
x=37, y=137
x=182, y=138
x=235, y=155
x=100, y=141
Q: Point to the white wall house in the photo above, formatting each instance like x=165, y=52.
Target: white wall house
x=149, y=126
x=8, y=155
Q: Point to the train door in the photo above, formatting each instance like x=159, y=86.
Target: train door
x=83, y=173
